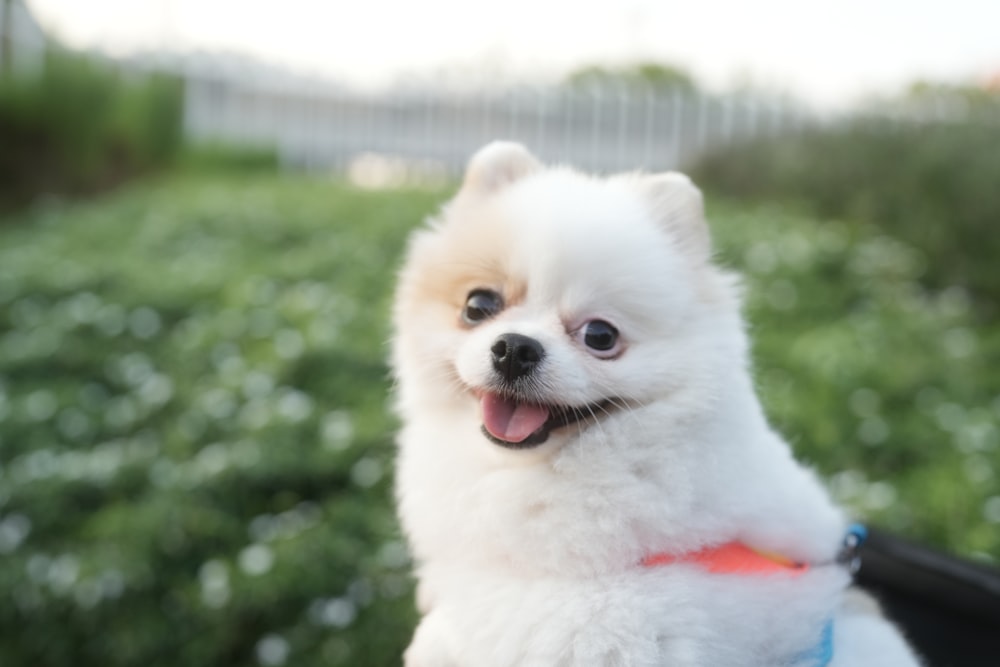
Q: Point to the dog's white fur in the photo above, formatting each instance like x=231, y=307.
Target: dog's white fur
x=531, y=557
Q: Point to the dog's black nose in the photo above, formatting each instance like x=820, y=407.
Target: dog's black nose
x=515, y=355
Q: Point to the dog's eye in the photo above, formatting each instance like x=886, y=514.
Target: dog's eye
x=481, y=304
x=600, y=336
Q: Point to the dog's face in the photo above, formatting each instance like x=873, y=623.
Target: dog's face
x=547, y=305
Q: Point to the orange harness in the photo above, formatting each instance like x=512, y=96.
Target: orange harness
x=738, y=558
x=731, y=558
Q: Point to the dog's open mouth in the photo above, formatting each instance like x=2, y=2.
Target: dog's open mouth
x=514, y=424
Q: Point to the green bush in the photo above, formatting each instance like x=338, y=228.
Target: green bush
x=82, y=126
x=195, y=448
x=932, y=184
x=193, y=430
x=221, y=157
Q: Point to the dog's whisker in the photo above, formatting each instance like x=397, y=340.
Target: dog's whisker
x=596, y=421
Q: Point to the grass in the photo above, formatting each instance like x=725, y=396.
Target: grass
x=195, y=453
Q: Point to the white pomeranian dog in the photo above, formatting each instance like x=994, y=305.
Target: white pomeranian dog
x=585, y=475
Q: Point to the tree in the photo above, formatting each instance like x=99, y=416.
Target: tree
x=654, y=75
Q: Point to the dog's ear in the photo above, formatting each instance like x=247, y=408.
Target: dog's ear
x=498, y=164
x=677, y=206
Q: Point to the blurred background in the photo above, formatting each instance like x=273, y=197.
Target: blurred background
x=202, y=205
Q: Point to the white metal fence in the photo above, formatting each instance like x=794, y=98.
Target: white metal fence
x=605, y=129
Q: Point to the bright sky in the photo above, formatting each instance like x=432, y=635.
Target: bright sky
x=826, y=51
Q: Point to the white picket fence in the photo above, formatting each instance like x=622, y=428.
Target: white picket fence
x=599, y=129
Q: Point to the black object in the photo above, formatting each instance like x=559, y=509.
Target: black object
x=948, y=607
x=515, y=355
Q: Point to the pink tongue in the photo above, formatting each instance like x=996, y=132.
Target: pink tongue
x=511, y=421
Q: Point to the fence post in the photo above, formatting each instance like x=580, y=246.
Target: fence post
x=6, y=38
x=540, y=124
x=569, y=96
x=622, y=123
x=595, y=152
x=648, y=134
x=675, y=129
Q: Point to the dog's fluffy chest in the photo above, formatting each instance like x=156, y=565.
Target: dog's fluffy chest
x=661, y=616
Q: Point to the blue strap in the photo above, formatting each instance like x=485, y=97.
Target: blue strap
x=821, y=654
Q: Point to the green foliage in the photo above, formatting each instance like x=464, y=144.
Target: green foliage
x=195, y=449
x=932, y=184
x=193, y=427
x=150, y=117
x=228, y=158
x=81, y=126
x=967, y=98
x=888, y=387
x=646, y=74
